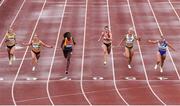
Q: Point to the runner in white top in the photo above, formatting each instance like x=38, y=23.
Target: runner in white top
x=129, y=40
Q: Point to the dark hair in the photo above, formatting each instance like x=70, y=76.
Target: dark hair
x=67, y=35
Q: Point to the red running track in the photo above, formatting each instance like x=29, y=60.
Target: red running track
x=85, y=19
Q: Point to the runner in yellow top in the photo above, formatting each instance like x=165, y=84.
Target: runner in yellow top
x=106, y=35
x=36, y=44
x=10, y=40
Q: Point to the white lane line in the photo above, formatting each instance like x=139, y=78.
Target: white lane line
x=82, y=64
x=168, y=50
x=112, y=59
x=13, y=84
x=159, y=28
x=54, y=54
x=13, y=20
x=174, y=9
x=91, y=80
x=146, y=76
x=2, y=2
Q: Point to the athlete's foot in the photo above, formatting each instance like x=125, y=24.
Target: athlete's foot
x=10, y=62
x=105, y=62
x=33, y=69
x=129, y=66
x=155, y=67
x=161, y=70
x=14, y=58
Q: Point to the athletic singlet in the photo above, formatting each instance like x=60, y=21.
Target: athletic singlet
x=106, y=35
x=36, y=45
x=162, y=46
x=129, y=40
x=10, y=39
x=68, y=43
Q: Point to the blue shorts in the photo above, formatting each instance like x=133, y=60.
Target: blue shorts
x=162, y=52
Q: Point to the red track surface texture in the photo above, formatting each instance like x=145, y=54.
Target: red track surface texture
x=86, y=19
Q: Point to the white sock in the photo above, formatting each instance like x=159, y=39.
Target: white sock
x=155, y=67
x=33, y=69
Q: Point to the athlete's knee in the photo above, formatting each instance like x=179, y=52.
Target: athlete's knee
x=11, y=52
x=105, y=52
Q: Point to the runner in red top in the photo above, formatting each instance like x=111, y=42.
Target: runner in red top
x=67, y=47
x=106, y=35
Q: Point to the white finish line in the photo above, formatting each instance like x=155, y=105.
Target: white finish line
x=98, y=78
x=1, y=79
x=31, y=78
x=65, y=78
x=130, y=78
x=162, y=78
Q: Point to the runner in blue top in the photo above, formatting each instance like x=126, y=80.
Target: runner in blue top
x=161, y=54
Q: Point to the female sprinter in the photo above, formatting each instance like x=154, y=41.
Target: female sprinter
x=129, y=39
x=161, y=54
x=107, y=42
x=36, y=44
x=67, y=47
x=10, y=40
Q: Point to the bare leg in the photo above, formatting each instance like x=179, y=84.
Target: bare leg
x=128, y=55
x=12, y=53
x=131, y=53
x=68, y=62
x=162, y=60
x=109, y=49
x=9, y=56
x=105, y=53
x=158, y=60
x=34, y=60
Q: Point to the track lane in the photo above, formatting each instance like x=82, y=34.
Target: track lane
x=147, y=22
x=73, y=22
x=97, y=18
x=47, y=29
x=21, y=26
x=168, y=27
x=7, y=14
x=119, y=30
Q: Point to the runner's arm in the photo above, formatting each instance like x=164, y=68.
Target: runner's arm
x=46, y=45
x=102, y=34
x=62, y=44
x=171, y=46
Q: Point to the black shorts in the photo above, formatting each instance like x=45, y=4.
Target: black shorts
x=67, y=51
x=10, y=47
x=129, y=48
x=37, y=54
x=107, y=44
